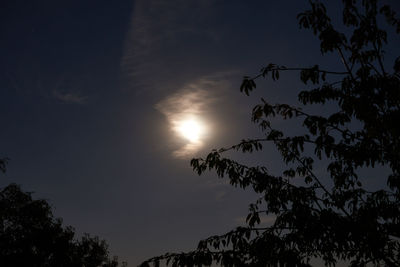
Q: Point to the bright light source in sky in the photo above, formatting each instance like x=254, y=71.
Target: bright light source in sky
x=191, y=129
x=187, y=112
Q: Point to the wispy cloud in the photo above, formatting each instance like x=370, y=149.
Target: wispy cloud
x=157, y=28
x=69, y=97
x=51, y=87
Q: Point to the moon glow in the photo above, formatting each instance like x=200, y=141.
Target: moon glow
x=187, y=113
x=191, y=129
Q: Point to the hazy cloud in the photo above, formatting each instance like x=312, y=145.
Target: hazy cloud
x=69, y=97
x=156, y=27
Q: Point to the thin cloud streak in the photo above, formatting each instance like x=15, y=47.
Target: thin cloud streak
x=69, y=97
x=157, y=26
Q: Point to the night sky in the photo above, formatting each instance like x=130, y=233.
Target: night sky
x=92, y=94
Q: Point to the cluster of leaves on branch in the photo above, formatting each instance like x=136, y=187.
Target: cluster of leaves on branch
x=31, y=236
x=327, y=215
x=3, y=163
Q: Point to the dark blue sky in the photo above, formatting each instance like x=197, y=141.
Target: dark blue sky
x=89, y=91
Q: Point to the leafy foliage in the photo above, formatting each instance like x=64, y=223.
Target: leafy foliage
x=31, y=236
x=329, y=215
x=3, y=163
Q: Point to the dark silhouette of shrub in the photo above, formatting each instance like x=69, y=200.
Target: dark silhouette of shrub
x=31, y=236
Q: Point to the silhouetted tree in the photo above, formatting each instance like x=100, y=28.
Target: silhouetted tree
x=31, y=236
x=3, y=163
x=328, y=214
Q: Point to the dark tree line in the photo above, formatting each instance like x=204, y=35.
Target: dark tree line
x=329, y=215
x=31, y=236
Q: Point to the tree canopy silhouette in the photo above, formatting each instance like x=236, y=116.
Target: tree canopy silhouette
x=31, y=236
x=328, y=214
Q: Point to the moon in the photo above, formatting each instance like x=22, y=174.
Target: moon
x=191, y=129
x=190, y=123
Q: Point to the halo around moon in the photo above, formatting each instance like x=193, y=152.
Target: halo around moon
x=186, y=112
